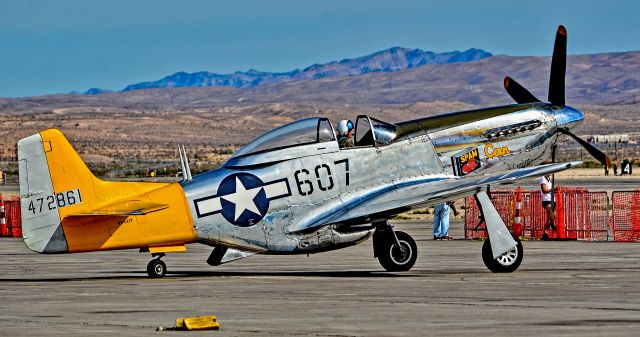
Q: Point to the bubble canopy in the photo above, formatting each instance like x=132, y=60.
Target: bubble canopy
x=301, y=132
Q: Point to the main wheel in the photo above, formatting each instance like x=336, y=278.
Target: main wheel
x=394, y=258
x=156, y=268
x=505, y=263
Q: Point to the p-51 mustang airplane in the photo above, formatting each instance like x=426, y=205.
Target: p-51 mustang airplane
x=293, y=190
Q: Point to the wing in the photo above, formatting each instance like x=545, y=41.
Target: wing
x=416, y=191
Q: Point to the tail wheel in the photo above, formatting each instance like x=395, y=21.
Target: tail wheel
x=505, y=263
x=394, y=258
x=156, y=268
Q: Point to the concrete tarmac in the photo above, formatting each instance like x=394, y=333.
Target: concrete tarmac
x=561, y=289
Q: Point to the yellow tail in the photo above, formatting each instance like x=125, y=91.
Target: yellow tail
x=65, y=208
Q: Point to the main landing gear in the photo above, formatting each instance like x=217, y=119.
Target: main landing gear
x=505, y=263
x=395, y=250
x=502, y=252
x=156, y=267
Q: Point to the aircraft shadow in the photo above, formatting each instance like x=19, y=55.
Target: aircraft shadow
x=335, y=274
x=199, y=273
x=141, y=275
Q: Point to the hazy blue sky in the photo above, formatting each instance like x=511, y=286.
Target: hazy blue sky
x=65, y=45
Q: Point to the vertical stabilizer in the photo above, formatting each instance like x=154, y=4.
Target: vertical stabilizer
x=41, y=228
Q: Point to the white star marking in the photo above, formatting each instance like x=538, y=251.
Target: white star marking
x=243, y=199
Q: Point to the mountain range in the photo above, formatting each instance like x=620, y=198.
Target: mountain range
x=594, y=79
x=389, y=60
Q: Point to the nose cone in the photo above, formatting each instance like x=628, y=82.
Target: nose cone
x=568, y=117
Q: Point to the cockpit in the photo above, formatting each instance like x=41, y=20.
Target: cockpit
x=316, y=130
x=373, y=132
x=305, y=131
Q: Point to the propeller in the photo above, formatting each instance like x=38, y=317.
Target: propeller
x=558, y=68
x=518, y=92
x=594, y=151
x=556, y=92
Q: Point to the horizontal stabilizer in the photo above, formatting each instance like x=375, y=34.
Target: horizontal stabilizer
x=128, y=207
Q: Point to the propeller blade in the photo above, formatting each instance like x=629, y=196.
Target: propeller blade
x=558, y=68
x=594, y=151
x=518, y=92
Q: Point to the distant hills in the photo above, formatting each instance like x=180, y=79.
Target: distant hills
x=601, y=79
x=394, y=76
x=389, y=60
x=94, y=91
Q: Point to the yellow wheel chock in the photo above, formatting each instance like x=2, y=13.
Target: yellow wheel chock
x=195, y=323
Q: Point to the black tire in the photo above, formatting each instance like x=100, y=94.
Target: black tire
x=393, y=259
x=508, y=262
x=156, y=268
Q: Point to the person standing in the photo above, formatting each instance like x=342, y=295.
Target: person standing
x=441, y=222
x=546, y=188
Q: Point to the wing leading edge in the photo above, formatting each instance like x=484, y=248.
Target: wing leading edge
x=417, y=191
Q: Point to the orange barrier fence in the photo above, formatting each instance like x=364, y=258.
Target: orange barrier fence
x=14, y=220
x=599, y=216
x=4, y=230
x=580, y=214
x=10, y=220
x=474, y=226
x=625, y=217
x=532, y=217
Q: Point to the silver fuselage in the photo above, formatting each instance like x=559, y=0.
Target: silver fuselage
x=312, y=181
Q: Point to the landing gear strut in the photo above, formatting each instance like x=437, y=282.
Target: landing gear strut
x=395, y=250
x=502, y=252
x=156, y=267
